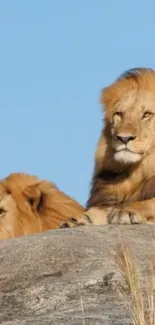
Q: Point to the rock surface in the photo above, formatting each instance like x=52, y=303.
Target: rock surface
x=68, y=276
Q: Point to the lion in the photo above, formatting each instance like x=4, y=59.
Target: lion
x=29, y=205
x=123, y=183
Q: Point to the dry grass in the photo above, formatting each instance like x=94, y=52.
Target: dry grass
x=142, y=303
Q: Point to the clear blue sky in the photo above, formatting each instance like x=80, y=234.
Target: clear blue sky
x=55, y=56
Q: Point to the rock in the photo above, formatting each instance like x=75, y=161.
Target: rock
x=69, y=276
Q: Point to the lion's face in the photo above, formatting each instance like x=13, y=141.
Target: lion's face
x=8, y=216
x=16, y=216
x=13, y=221
x=29, y=205
x=132, y=124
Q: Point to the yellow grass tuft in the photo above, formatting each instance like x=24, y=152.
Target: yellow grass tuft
x=142, y=303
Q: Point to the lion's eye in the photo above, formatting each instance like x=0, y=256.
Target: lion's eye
x=146, y=115
x=2, y=211
x=118, y=114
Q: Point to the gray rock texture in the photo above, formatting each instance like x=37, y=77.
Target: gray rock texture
x=69, y=276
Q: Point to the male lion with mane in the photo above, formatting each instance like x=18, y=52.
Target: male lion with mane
x=29, y=205
x=123, y=183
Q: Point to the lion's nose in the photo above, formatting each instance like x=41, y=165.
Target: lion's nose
x=125, y=140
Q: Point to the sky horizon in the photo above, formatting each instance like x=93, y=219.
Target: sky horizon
x=56, y=56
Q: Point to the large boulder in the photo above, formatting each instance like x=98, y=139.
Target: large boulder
x=69, y=276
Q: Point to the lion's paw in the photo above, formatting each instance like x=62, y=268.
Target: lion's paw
x=124, y=217
x=76, y=222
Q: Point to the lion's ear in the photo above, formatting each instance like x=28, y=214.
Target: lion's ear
x=33, y=195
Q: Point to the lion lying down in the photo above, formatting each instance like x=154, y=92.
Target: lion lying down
x=123, y=184
x=29, y=205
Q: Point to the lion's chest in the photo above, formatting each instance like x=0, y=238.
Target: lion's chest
x=117, y=190
x=112, y=189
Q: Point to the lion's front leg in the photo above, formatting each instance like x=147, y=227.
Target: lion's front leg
x=95, y=216
x=124, y=217
x=136, y=213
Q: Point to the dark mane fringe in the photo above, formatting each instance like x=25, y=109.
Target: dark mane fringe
x=133, y=73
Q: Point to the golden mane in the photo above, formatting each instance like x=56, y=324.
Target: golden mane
x=131, y=80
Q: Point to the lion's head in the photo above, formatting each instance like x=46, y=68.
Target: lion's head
x=29, y=205
x=129, y=105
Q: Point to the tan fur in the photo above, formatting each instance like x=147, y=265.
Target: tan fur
x=29, y=205
x=123, y=184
